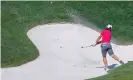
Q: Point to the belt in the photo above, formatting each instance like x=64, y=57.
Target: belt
x=106, y=43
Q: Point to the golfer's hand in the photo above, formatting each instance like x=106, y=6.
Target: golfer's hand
x=97, y=42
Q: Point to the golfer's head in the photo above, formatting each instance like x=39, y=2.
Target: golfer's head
x=109, y=26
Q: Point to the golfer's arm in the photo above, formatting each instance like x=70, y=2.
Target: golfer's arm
x=98, y=40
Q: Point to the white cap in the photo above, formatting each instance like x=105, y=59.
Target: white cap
x=109, y=26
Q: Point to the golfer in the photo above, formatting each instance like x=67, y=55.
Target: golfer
x=106, y=35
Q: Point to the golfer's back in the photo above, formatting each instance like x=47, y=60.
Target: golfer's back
x=106, y=36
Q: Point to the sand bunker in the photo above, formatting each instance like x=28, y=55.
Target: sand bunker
x=61, y=56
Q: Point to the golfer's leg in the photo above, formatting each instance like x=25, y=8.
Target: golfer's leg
x=104, y=52
x=105, y=61
x=116, y=58
x=111, y=53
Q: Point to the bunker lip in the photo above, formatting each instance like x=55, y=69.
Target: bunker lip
x=61, y=56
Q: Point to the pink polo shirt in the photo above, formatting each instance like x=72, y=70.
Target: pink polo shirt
x=106, y=36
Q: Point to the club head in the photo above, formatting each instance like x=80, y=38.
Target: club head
x=93, y=45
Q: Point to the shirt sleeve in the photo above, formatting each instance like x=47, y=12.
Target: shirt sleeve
x=101, y=33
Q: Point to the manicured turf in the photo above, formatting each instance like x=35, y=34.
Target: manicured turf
x=124, y=72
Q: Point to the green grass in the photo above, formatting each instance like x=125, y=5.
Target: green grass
x=124, y=72
x=119, y=14
x=18, y=17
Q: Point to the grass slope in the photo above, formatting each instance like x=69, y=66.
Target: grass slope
x=124, y=72
x=18, y=17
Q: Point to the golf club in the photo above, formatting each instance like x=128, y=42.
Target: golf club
x=93, y=45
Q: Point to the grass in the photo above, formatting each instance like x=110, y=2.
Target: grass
x=18, y=17
x=124, y=72
x=119, y=14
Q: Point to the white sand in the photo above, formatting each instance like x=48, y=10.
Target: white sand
x=61, y=56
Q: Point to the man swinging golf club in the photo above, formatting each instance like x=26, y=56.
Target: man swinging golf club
x=106, y=46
